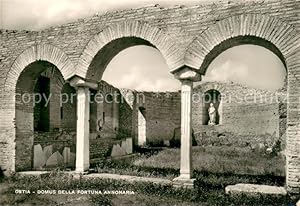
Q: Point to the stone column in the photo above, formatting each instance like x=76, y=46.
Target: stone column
x=83, y=125
x=82, y=129
x=186, y=130
x=186, y=76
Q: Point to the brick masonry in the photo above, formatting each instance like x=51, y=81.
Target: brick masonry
x=249, y=115
x=186, y=36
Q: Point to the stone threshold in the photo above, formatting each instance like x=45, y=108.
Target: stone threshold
x=254, y=189
x=127, y=178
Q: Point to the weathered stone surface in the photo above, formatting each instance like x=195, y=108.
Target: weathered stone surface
x=129, y=178
x=66, y=155
x=128, y=146
x=298, y=203
x=167, y=143
x=55, y=160
x=252, y=189
x=180, y=182
x=48, y=151
x=72, y=159
x=39, y=158
x=118, y=151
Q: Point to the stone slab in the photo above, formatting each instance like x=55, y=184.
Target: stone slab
x=128, y=146
x=129, y=178
x=66, y=155
x=39, y=159
x=72, y=160
x=55, y=160
x=118, y=151
x=48, y=150
x=253, y=189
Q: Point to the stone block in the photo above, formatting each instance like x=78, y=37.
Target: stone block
x=253, y=189
x=48, y=151
x=72, y=159
x=167, y=143
x=66, y=155
x=39, y=158
x=55, y=160
x=186, y=183
x=128, y=146
x=118, y=151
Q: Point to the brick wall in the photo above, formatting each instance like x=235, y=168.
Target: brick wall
x=244, y=111
x=162, y=114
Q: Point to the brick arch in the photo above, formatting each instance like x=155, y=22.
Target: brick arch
x=44, y=52
x=211, y=86
x=277, y=36
x=269, y=32
x=128, y=29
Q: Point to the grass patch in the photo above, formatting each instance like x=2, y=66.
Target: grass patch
x=145, y=193
x=220, y=159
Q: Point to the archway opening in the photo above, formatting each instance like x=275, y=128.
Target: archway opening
x=40, y=118
x=252, y=76
x=135, y=71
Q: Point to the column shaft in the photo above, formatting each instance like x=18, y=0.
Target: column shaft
x=82, y=135
x=186, y=130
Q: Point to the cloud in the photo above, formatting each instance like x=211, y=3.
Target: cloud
x=229, y=71
x=38, y=14
x=250, y=65
x=140, y=68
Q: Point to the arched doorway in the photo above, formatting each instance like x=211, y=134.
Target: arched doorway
x=37, y=109
x=270, y=33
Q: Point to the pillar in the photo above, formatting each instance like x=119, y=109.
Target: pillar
x=82, y=130
x=186, y=75
x=186, y=130
x=83, y=125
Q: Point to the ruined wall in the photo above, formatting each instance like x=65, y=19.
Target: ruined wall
x=69, y=108
x=126, y=113
x=179, y=23
x=162, y=114
x=252, y=115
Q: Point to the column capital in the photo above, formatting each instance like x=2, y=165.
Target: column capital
x=77, y=81
x=186, y=73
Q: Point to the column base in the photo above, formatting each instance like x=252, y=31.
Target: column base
x=83, y=170
x=183, y=182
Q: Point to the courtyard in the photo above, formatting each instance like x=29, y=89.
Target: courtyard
x=176, y=105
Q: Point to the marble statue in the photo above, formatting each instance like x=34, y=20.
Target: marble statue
x=212, y=114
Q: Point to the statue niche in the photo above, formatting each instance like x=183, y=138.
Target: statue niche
x=211, y=103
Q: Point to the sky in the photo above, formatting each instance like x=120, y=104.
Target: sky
x=142, y=67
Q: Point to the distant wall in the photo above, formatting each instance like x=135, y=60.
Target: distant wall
x=162, y=114
x=245, y=111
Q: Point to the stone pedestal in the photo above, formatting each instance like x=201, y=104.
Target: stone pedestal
x=182, y=182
